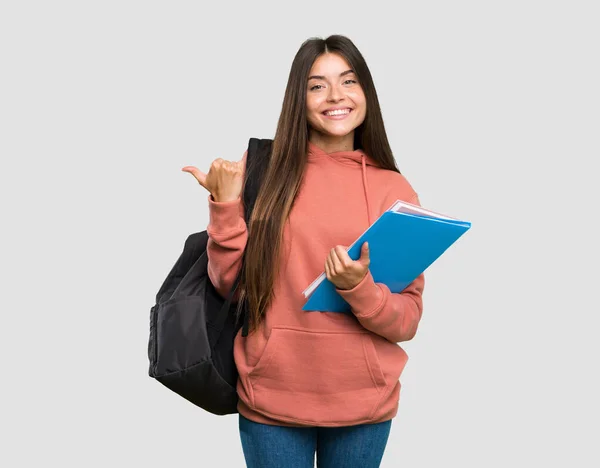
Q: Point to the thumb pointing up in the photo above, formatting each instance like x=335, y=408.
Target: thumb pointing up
x=364, y=254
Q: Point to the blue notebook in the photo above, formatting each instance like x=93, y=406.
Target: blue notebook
x=403, y=242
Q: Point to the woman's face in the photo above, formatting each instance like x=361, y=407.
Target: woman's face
x=335, y=101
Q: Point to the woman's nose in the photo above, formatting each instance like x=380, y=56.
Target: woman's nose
x=335, y=94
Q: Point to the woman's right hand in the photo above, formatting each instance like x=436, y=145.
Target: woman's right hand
x=224, y=180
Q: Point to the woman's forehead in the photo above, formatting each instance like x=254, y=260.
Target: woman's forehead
x=329, y=65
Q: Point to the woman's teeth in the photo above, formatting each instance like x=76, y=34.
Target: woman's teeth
x=338, y=112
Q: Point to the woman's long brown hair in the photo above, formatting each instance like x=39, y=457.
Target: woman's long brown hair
x=285, y=172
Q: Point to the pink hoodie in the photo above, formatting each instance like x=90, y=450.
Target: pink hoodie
x=321, y=368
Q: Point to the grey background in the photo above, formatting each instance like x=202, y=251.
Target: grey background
x=492, y=110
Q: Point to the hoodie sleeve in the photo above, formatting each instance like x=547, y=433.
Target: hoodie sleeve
x=395, y=316
x=227, y=237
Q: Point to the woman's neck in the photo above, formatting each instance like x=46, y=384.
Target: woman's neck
x=332, y=144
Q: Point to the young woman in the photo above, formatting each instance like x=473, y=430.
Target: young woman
x=315, y=382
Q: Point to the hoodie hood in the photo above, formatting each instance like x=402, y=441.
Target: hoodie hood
x=349, y=158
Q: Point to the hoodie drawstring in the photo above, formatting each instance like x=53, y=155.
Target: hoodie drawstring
x=365, y=187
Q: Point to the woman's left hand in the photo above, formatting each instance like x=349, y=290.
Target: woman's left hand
x=344, y=272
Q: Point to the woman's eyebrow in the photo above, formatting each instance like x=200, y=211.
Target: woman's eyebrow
x=321, y=77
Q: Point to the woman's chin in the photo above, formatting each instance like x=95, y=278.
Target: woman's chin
x=337, y=130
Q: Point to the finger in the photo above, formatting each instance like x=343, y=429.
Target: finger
x=336, y=263
x=331, y=266
x=240, y=165
x=198, y=174
x=343, y=256
x=328, y=267
x=232, y=167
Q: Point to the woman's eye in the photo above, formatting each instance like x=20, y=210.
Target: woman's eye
x=315, y=87
x=350, y=81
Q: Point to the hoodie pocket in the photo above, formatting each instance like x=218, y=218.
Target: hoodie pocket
x=313, y=376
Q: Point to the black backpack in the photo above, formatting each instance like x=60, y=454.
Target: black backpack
x=192, y=328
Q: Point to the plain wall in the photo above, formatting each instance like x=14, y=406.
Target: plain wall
x=492, y=111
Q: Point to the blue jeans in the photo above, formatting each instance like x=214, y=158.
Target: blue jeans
x=268, y=446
